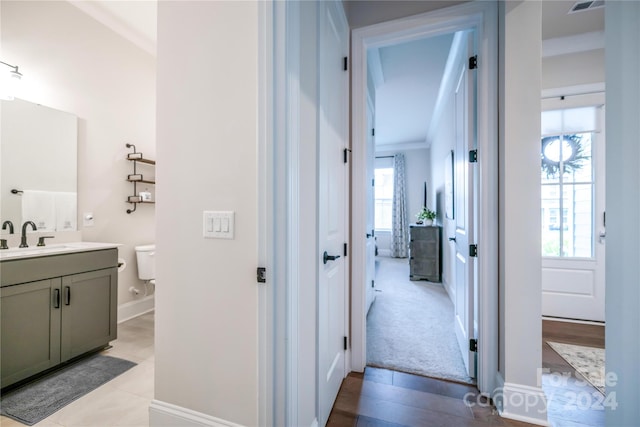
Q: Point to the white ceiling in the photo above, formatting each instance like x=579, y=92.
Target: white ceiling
x=134, y=20
x=406, y=100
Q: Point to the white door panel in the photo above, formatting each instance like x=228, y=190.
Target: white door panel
x=332, y=196
x=574, y=288
x=371, y=241
x=464, y=104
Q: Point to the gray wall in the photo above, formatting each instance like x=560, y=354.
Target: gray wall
x=623, y=204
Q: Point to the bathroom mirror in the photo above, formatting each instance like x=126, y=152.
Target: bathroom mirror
x=38, y=159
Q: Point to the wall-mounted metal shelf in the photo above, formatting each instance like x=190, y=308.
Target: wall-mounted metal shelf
x=136, y=178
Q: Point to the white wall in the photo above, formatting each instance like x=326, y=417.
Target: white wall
x=417, y=172
x=440, y=150
x=206, y=349
x=623, y=203
x=361, y=13
x=573, y=69
x=519, y=210
x=73, y=63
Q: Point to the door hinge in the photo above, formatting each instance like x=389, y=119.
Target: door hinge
x=345, y=343
x=373, y=283
x=345, y=63
x=346, y=155
x=473, y=345
x=473, y=62
x=345, y=250
x=473, y=251
x=473, y=156
x=373, y=182
x=262, y=275
x=373, y=132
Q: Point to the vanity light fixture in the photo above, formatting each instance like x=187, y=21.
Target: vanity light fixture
x=9, y=80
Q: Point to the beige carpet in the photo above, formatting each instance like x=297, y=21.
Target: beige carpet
x=410, y=326
x=588, y=361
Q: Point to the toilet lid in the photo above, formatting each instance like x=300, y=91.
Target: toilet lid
x=145, y=248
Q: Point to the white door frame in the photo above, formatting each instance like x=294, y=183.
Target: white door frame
x=483, y=17
x=278, y=217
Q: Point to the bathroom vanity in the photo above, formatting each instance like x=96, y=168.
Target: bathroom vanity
x=56, y=303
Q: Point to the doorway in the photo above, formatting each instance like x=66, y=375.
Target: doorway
x=423, y=101
x=480, y=18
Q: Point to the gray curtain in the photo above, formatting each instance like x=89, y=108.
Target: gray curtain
x=399, y=228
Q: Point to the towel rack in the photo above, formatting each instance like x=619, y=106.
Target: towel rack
x=135, y=178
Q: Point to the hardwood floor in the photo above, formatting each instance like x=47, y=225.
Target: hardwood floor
x=384, y=398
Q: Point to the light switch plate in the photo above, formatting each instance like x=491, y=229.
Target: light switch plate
x=218, y=224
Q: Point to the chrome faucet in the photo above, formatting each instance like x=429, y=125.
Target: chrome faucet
x=10, y=224
x=23, y=239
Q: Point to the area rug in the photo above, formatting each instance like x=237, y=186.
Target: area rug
x=588, y=361
x=36, y=400
x=410, y=326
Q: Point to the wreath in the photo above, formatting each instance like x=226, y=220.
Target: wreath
x=573, y=163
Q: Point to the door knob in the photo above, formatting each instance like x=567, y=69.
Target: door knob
x=326, y=257
x=452, y=239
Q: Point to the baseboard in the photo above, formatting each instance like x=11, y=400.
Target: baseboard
x=581, y=322
x=132, y=309
x=450, y=290
x=167, y=415
x=520, y=402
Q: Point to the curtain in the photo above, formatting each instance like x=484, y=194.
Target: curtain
x=399, y=228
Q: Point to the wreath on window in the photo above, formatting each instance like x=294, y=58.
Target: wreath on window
x=570, y=162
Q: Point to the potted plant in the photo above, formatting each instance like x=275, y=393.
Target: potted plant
x=425, y=216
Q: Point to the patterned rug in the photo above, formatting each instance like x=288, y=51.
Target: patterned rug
x=588, y=361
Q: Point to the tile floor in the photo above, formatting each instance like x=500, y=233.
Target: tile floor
x=123, y=401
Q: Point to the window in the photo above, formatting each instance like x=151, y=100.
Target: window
x=567, y=179
x=383, y=198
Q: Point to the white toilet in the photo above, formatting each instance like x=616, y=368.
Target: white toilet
x=146, y=258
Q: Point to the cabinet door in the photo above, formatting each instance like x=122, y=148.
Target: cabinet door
x=30, y=327
x=88, y=311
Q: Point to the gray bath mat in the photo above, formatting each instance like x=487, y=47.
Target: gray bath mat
x=37, y=400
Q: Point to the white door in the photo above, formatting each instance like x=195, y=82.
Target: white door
x=332, y=197
x=371, y=242
x=464, y=102
x=572, y=209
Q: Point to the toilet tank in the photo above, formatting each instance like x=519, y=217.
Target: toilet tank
x=146, y=258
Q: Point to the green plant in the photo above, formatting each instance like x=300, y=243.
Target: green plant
x=426, y=213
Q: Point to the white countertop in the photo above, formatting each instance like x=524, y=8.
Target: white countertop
x=53, y=249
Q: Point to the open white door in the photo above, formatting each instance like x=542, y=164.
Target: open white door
x=332, y=206
x=465, y=104
x=371, y=241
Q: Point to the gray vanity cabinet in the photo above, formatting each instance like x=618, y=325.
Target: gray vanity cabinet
x=87, y=321
x=50, y=321
x=30, y=323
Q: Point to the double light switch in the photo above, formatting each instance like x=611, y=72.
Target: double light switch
x=218, y=224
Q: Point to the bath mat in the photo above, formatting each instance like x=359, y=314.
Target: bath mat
x=36, y=400
x=588, y=361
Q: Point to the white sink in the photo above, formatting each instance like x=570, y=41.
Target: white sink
x=35, y=251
